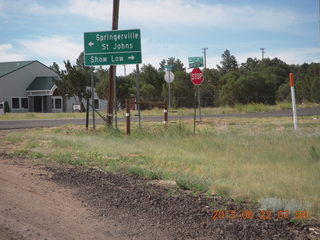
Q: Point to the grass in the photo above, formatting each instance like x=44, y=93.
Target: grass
x=146, y=173
x=253, y=159
x=239, y=108
x=29, y=115
x=196, y=184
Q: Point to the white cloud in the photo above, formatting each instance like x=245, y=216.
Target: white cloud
x=53, y=47
x=193, y=13
x=8, y=53
x=97, y=9
x=297, y=55
x=166, y=13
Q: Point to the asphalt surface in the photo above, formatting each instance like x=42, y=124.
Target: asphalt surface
x=17, y=124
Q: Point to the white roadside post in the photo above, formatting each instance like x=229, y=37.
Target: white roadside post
x=293, y=97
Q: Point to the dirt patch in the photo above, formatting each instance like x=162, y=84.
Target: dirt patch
x=75, y=203
x=155, y=212
x=34, y=207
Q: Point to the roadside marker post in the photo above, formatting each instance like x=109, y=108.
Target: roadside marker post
x=127, y=115
x=165, y=114
x=293, y=98
x=132, y=101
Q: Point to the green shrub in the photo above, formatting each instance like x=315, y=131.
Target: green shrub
x=6, y=107
x=146, y=173
x=196, y=184
x=21, y=153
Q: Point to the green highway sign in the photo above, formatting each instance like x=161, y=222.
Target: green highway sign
x=195, y=62
x=112, y=59
x=112, y=47
x=168, y=67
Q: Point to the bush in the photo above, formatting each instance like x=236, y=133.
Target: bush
x=146, y=173
x=283, y=93
x=196, y=184
x=6, y=107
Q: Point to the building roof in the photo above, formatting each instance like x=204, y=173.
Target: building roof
x=42, y=84
x=8, y=67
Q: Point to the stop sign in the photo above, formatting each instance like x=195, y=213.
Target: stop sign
x=196, y=76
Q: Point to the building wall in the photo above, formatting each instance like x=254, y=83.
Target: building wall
x=15, y=84
x=102, y=104
x=48, y=104
x=31, y=104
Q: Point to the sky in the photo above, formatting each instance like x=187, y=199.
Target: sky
x=52, y=30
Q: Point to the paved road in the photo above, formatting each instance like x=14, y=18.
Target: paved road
x=16, y=124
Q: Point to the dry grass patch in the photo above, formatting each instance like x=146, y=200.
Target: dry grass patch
x=252, y=159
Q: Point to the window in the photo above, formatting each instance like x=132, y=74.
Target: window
x=96, y=104
x=25, y=103
x=15, y=103
x=57, y=103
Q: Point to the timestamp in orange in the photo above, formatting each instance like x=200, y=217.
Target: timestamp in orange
x=264, y=215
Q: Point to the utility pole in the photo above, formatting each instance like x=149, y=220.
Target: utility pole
x=262, y=52
x=112, y=69
x=205, y=56
x=319, y=29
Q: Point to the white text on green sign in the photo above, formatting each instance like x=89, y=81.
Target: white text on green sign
x=112, y=59
x=112, y=47
x=112, y=41
x=195, y=62
x=168, y=67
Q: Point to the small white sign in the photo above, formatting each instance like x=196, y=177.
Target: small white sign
x=76, y=107
x=169, y=77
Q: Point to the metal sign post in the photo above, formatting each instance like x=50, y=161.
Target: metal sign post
x=199, y=103
x=138, y=94
x=92, y=100
x=194, y=113
x=112, y=48
x=169, y=90
x=169, y=77
x=196, y=77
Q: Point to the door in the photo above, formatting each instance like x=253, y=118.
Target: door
x=38, y=104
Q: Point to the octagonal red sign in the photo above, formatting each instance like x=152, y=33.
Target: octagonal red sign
x=196, y=76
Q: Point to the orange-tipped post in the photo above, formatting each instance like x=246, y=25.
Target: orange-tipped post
x=291, y=78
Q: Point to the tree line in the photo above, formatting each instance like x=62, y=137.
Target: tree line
x=254, y=81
